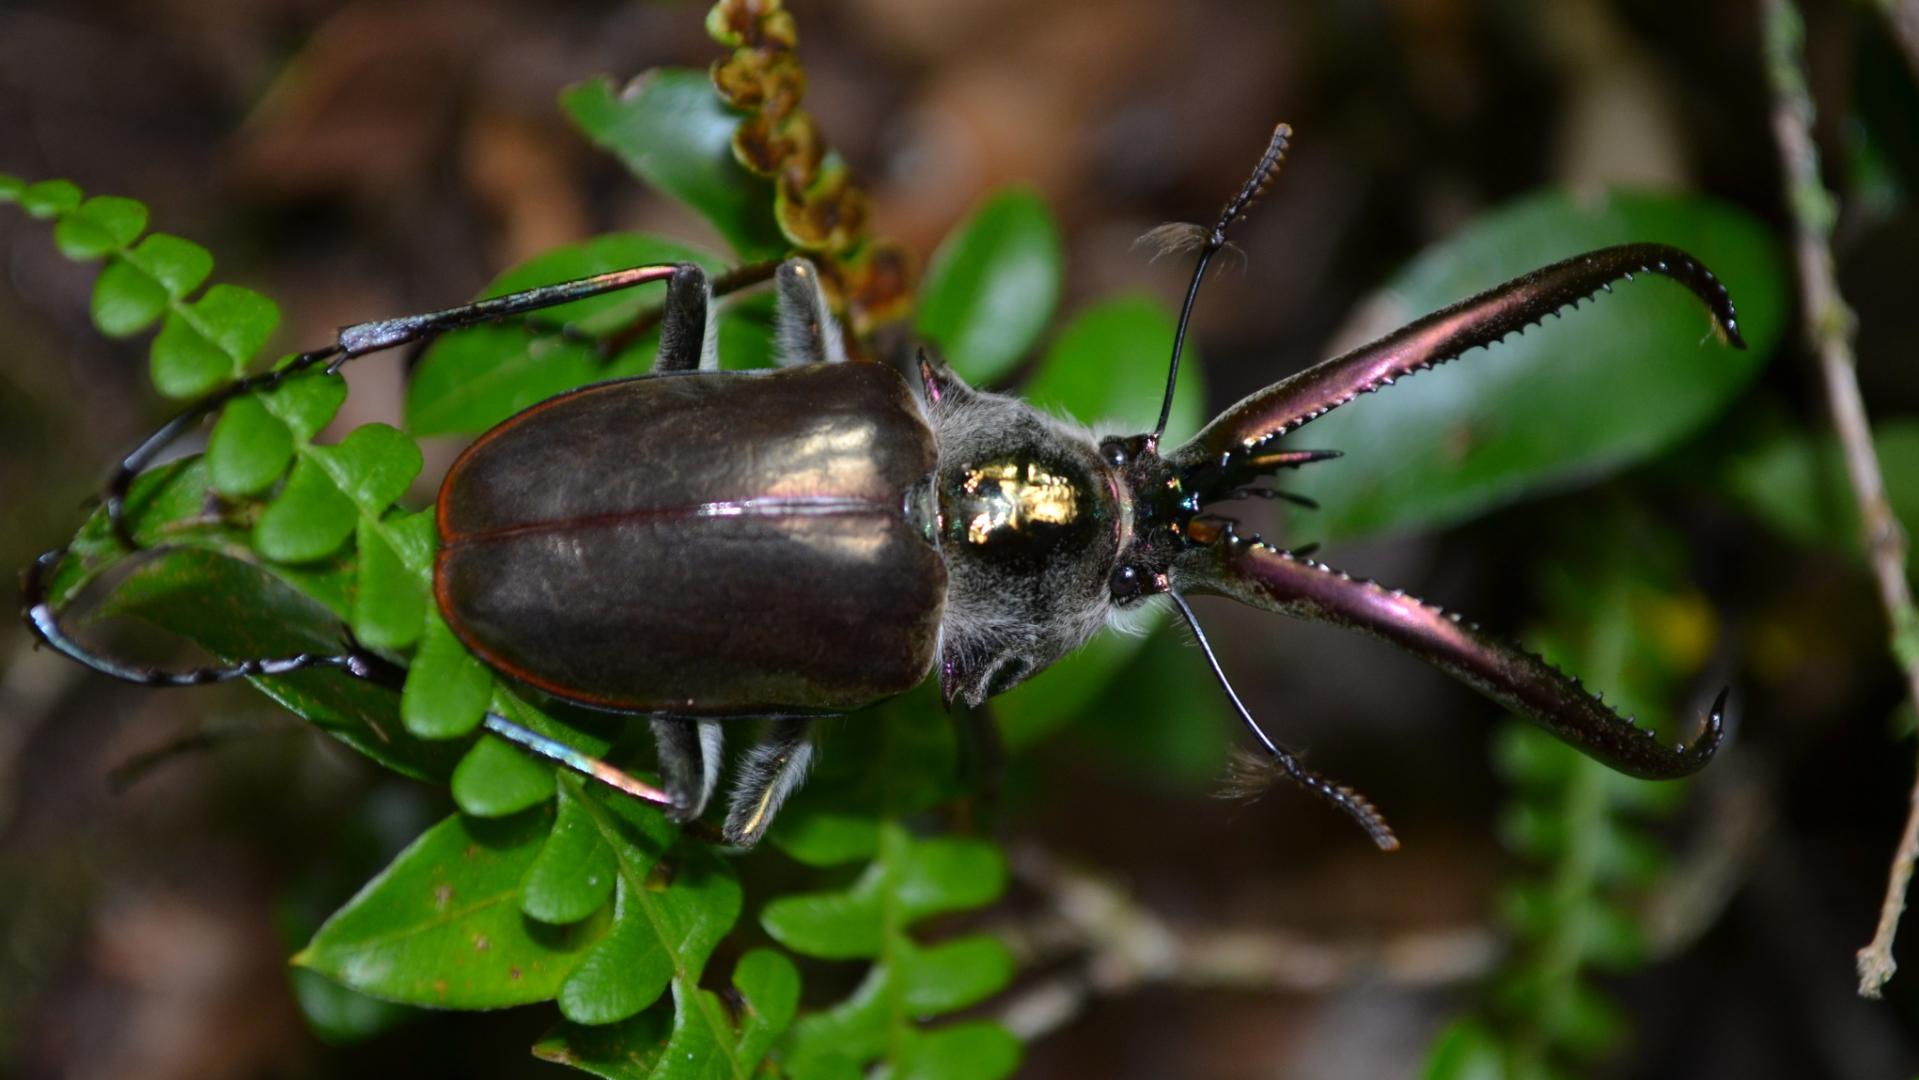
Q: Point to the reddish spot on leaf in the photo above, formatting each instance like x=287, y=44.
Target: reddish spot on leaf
x=442, y=895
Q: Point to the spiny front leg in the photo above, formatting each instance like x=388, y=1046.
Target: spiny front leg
x=1483, y=320
x=1273, y=580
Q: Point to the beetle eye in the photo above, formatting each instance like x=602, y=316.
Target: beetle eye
x=1126, y=582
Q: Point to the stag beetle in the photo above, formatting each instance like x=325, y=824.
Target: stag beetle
x=697, y=546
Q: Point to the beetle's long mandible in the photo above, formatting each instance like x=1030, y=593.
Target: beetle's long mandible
x=1260, y=576
x=1444, y=335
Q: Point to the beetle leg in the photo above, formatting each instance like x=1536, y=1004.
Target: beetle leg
x=689, y=752
x=584, y=764
x=362, y=338
x=44, y=622
x=808, y=333
x=1262, y=577
x=358, y=340
x=676, y=739
x=771, y=771
x=1444, y=335
x=687, y=341
x=712, y=740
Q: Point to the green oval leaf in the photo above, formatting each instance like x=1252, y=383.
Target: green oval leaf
x=978, y=1050
x=135, y=286
x=475, y=378
x=249, y=448
x=49, y=198
x=210, y=341
x=389, y=598
x=496, y=779
x=954, y=974
x=441, y=926
x=306, y=404
x=99, y=226
x=672, y=131
x=664, y=925
x=917, y=878
x=574, y=874
x=687, y=1041
x=126, y=299
x=372, y=466
x=447, y=689
x=991, y=288
x=236, y=610
x=179, y=266
x=309, y=520
x=1108, y=367
x=1594, y=391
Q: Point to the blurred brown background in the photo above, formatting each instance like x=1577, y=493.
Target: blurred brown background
x=368, y=159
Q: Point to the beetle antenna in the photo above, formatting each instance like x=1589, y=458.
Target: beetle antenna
x=1254, y=187
x=153, y=445
x=355, y=660
x=1346, y=799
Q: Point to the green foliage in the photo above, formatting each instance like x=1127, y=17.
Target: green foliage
x=472, y=379
x=1796, y=483
x=234, y=609
x=442, y=926
x=662, y=1045
x=669, y=128
x=547, y=888
x=202, y=342
x=1108, y=366
x=992, y=286
x=1620, y=618
x=901, y=764
x=1581, y=396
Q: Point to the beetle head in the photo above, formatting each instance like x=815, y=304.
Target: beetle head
x=1048, y=532
x=1030, y=520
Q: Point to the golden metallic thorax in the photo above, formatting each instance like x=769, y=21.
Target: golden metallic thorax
x=1012, y=495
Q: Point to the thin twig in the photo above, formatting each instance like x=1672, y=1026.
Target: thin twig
x=1120, y=946
x=1903, y=17
x=1829, y=330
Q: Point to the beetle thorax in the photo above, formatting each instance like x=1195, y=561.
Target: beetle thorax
x=1029, y=522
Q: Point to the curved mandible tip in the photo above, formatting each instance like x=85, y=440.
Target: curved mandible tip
x=1485, y=319
x=1273, y=580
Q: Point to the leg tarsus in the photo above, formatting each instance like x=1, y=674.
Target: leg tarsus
x=684, y=323
x=683, y=765
x=712, y=741
x=808, y=333
x=768, y=774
